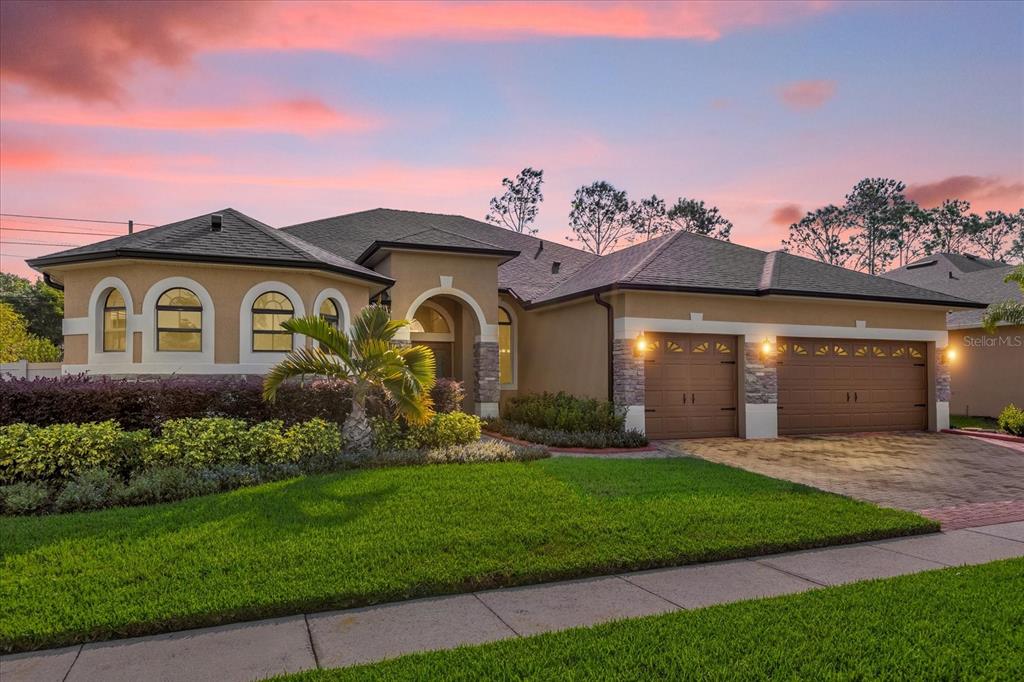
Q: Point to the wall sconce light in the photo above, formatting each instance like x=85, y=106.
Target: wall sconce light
x=640, y=345
x=949, y=355
x=767, y=348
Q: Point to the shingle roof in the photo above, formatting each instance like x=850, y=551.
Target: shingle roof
x=242, y=240
x=684, y=261
x=434, y=239
x=528, y=275
x=972, y=277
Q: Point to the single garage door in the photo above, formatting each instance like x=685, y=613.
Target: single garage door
x=834, y=385
x=691, y=386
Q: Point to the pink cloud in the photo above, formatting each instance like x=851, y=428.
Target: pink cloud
x=92, y=48
x=984, y=193
x=300, y=115
x=787, y=215
x=809, y=94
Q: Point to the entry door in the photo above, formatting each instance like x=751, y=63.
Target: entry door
x=691, y=386
x=442, y=357
x=837, y=385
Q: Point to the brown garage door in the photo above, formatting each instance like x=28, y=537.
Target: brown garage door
x=835, y=385
x=691, y=386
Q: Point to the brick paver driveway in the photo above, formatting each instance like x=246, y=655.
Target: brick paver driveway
x=916, y=471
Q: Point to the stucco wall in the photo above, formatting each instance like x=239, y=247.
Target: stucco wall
x=227, y=285
x=417, y=272
x=988, y=372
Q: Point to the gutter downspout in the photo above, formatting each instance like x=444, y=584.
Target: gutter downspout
x=611, y=338
x=51, y=283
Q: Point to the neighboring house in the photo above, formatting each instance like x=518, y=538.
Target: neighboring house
x=691, y=335
x=988, y=373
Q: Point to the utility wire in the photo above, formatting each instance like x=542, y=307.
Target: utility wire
x=90, y=234
x=17, y=241
x=79, y=220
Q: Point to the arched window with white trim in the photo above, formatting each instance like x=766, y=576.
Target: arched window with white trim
x=115, y=323
x=269, y=312
x=506, y=348
x=329, y=311
x=179, y=321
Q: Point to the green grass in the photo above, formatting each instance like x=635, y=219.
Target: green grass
x=961, y=422
x=951, y=624
x=369, y=536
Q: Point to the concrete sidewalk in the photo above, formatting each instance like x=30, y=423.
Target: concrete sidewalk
x=252, y=651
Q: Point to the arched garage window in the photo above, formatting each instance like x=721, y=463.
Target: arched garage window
x=506, y=348
x=269, y=311
x=115, y=329
x=179, y=321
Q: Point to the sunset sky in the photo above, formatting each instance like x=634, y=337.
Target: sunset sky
x=293, y=111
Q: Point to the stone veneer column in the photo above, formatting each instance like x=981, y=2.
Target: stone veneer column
x=628, y=383
x=942, y=390
x=485, y=377
x=760, y=392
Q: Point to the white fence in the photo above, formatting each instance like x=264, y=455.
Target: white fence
x=23, y=369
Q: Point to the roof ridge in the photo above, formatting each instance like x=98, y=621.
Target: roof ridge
x=768, y=270
x=272, y=233
x=454, y=234
x=636, y=269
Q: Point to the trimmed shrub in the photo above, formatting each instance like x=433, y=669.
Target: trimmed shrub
x=64, y=450
x=568, y=439
x=313, y=439
x=91, y=489
x=136, y=404
x=485, y=451
x=27, y=497
x=198, y=443
x=564, y=412
x=1011, y=420
x=166, y=484
x=452, y=428
x=448, y=395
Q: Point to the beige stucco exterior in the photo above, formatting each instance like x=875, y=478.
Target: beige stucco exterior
x=988, y=371
x=226, y=285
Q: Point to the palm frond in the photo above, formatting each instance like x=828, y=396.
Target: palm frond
x=421, y=363
x=323, y=332
x=1008, y=312
x=303, y=361
x=374, y=322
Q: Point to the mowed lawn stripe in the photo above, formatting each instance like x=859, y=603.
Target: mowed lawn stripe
x=370, y=536
x=950, y=624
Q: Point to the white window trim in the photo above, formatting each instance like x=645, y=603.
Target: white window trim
x=246, y=355
x=514, y=350
x=96, y=354
x=434, y=336
x=488, y=332
x=152, y=356
x=345, y=323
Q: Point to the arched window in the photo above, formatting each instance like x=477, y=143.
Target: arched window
x=115, y=327
x=506, y=348
x=329, y=311
x=269, y=311
x=179, y=321
x=429, y=321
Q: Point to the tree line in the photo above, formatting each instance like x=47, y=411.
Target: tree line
x=876, y=228
x=603, y=217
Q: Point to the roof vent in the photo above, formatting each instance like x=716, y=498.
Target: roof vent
x=216, y=222
x=540, y=247
x=555, y=267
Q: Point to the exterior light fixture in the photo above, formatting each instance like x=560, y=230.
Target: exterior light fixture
x=640, y=346
x=766, y=347
x=950, y=354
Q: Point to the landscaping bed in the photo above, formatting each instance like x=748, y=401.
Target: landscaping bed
x=368, y=536
x=564, y=421
x=954, y=623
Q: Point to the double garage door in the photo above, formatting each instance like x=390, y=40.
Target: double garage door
x=825, y=386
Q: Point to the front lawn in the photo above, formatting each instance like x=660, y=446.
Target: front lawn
x=951, y=624
x=361, y=537
x=961, y=422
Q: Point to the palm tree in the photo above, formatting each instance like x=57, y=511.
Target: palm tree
x=1011, y=312
x=368, y=360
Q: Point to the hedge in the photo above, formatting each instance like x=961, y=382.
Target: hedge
x=146, y=404
x=564, y=412
x=567, y=439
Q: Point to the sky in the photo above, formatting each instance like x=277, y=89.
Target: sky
x=290, y=111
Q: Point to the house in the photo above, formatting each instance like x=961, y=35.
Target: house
x=691, y=335
x=988, y=374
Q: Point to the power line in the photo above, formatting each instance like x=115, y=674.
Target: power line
x=16, y=241
x=19, y=229
x=79, y=220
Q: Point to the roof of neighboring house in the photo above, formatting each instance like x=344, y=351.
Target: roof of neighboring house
x=241, y=240
x=683, y=261
x=527, y=275
x=973, y=277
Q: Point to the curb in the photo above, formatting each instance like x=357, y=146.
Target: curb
x=985, y=434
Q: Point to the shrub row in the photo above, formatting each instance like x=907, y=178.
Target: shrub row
x=100, y=487
x=442, y=430
x=567, y=439
x=1011, y=420
x=147, y=404
x=564, y=412
x=63, y=451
